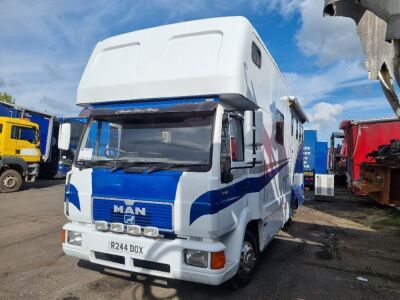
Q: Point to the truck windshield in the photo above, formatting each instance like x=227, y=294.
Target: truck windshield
x=177, y=138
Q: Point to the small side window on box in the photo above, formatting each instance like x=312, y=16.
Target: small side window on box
x=256, y=55
x=279, y=128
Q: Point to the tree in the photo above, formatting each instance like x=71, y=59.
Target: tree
x=7, y=98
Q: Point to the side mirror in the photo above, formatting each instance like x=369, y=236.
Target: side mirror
x=64, y=136
x=226, y=177
x=67, y=157
x=253, y=121
x=226, y=173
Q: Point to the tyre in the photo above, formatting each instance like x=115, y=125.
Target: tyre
x=292, y=207
x=10, y=181
x=249, y=259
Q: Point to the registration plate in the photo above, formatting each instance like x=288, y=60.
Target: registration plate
x=126, y=248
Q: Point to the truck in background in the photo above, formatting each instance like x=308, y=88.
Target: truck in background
x=66, y=157
x=19, y=153
x=338, y=158
x=48, y=132
x=315, y=157
x=188, y=166
x=363, y=137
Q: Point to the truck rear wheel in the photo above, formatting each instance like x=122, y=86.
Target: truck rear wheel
x=249, y=260
x=10, y=181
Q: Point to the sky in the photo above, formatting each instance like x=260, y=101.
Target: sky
x=45, y=45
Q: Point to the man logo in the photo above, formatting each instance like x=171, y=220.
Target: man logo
x=119, y=209
x=129, y=219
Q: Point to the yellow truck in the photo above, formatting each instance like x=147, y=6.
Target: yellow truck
x=19, y=153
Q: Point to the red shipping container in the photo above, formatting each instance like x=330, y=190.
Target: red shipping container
x=363, y=137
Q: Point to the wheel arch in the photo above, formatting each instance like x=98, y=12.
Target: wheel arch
x=233, y=240
x=15, y=163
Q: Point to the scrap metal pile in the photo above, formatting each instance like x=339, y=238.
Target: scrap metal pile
x=387, y=154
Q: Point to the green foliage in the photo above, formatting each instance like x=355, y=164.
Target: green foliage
x=7, y=98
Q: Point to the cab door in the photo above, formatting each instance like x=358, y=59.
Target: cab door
x=2, y=138
x=7, y=142
x=26, y=142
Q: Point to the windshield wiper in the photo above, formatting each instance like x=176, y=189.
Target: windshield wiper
x=169, y=166
x=89, y=163
x=122, y=164
x=158, y=165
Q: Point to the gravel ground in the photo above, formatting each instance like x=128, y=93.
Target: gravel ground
x=319, y=255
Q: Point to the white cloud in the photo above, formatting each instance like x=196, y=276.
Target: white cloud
x=43, y=49
x=316, y=86
x=323, y=117
x=324, y=112
x=326, y=117
x=366, y=104
x=284, y=7
x=327, y=38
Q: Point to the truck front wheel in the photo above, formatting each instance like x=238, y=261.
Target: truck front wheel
x=249, y=260
x=10, y=181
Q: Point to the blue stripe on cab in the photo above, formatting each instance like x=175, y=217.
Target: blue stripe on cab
x=72, y=194
x=212, y=202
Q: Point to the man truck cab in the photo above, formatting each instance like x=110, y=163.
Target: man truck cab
x=188, y=165
x=19, y=153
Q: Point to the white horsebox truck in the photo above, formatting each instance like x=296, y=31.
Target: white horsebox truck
x=191, y=160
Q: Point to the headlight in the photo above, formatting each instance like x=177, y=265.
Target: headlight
x=74, y=238
x=101, y=225
x=134, y=229
x=117, y=227
x=196, y=258
x=150, y=231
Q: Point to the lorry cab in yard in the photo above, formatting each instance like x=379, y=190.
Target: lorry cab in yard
x=191, y=160
x=19, y=153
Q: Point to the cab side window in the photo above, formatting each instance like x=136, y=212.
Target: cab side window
x=225, y=144
x=232, y=140
x=24, y=134
x=237, y=140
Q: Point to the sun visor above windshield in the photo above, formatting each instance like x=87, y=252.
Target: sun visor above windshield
x=151, y=107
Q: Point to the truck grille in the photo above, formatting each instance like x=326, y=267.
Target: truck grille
x=130, y=212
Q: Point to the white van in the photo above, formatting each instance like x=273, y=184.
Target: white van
x=191, y=160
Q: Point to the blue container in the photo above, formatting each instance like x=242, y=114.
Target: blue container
x=321, y=158
x=310, y=141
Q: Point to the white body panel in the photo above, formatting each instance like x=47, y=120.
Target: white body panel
x=179, y=60
x=324, y=185
x=195, y=59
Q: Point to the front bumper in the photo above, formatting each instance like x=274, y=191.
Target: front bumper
x=161, y=251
